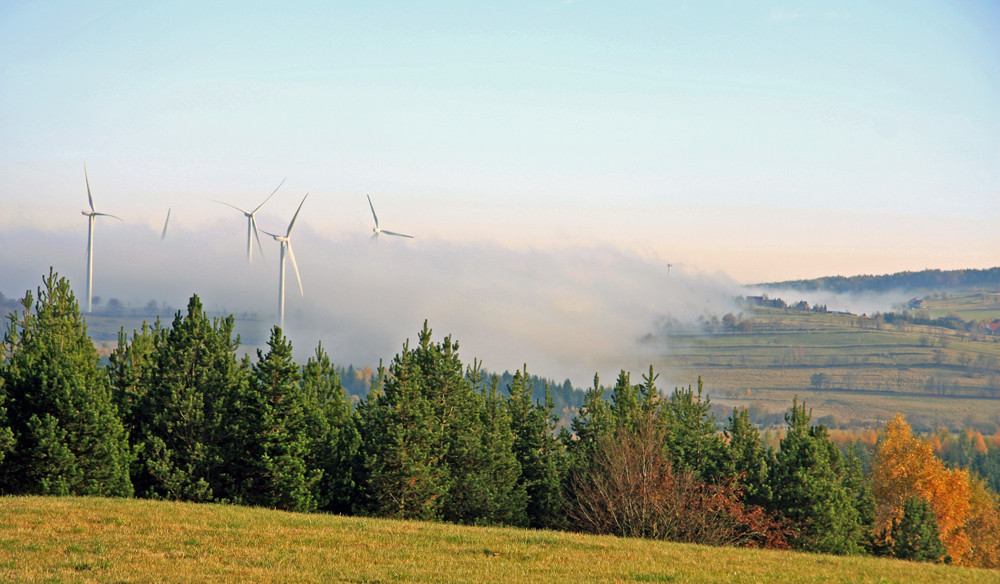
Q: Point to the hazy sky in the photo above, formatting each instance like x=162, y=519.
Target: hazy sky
x=565, y=141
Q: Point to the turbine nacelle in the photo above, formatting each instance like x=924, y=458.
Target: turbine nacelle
x=378, y=230
x=252, y=222
x=286, y=245
x=91, y=215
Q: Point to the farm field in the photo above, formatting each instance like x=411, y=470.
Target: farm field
x=130, y=540
x=858, y=369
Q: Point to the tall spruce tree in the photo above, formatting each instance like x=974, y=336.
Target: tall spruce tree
x=272, y=425
x=746, y=461
x=488, y=490
x=537, y=451
x=67, y=436
x=186, y=450
x=402, y=466
x=333, y=433
x=808, y=485
x=691, y=439
x=131, y=370
x=423, y=450
x=916, y=536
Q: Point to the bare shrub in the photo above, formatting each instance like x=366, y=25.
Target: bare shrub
x=629, y=488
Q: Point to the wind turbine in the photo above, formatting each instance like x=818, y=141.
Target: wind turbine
x=252, y=222
x=286, y=244
x=378, y=230
x=91, y=216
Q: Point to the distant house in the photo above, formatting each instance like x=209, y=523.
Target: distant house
x=917, y=303
x=993, y=327
x=755, y=300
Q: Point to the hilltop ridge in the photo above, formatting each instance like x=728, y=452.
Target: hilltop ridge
x=930, y=279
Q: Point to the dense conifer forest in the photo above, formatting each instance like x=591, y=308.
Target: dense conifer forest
x=178, y=415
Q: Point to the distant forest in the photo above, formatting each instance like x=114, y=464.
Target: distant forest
x=923, y=280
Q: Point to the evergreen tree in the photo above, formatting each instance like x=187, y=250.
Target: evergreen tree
x=424, y=454
x=807, y=480
x=186, y=451
x=859, y=485
x=333, y=432
x=273, y=425
x=488, y=488
x=66, y=434
x=537, y=451
x=402, y=452
x=691, y=438
x=131, y=370
x=746, y=461
x=916, y=535
x=595, y=419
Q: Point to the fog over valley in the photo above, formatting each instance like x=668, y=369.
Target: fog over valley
x=566, y=313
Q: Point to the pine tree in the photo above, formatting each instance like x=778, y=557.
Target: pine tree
x=402, y=453
x=131, y=370
x=186, y=451
x=746, y=461
x=915, y=536
x=333, y=433
x=424, y=454
x=488, y=488
x=807, y=480
x=691, y=438
x=272, y=433
x=595, y=420
x=537, y=451
x=66, y=433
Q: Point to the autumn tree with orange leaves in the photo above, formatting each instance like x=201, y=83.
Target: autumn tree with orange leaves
x=904, y=467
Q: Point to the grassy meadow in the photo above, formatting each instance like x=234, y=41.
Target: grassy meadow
x=131, y=540
x=934, y=375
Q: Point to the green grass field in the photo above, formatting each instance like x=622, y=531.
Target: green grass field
x=114, y=540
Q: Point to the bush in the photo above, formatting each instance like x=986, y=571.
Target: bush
x=630, y=488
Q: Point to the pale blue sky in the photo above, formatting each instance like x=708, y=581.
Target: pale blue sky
x=764, y=140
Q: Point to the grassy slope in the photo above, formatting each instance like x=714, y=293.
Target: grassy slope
x=934, y=375
x=103, y=540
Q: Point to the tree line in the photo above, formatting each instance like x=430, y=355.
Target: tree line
x=922, y=280
x=177, y=415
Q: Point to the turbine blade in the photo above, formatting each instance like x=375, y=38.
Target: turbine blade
x=269, y=233
x=292, y=224
x=89, y=196
x=253, y=224
x=233, y=206
x=396, y=234
x=165, y=223
x=294, y=266
x=271, y=195
x=108, y=215
x=373, y=210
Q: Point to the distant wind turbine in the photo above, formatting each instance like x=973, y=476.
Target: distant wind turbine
x=91, y=216
x=378, y=230
x=286, y=244
x=252, y=222
x=165, y=223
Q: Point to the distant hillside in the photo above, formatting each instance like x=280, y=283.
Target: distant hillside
x=923, y=280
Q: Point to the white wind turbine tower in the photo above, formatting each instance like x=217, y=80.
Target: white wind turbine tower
x=252, y=222
x=378, y=230
x=91, y=215
x=286, y=244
